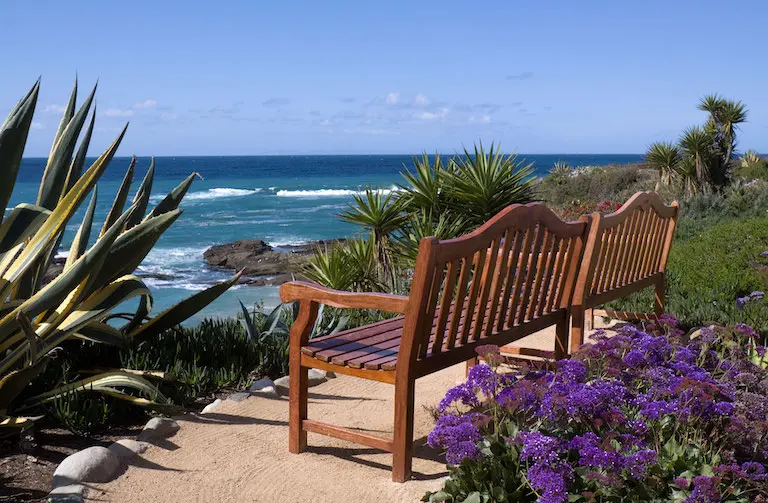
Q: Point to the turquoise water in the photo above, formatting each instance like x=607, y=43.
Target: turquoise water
x=280, y=199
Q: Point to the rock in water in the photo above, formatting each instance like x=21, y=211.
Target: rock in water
x=256, y=257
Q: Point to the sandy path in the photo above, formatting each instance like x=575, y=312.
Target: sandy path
x=240, y=453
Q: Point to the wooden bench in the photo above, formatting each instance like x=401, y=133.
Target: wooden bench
x=510, y=278
x=626, y=251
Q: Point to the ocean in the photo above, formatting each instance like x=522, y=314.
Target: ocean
x=283, y=200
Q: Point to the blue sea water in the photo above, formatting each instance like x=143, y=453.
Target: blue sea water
x=280, y=199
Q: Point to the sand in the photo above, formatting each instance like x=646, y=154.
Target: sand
x=240, y=452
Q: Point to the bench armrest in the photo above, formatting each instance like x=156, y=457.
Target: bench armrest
x=301, y=290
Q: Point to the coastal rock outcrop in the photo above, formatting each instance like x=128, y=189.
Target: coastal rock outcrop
x=265, y=264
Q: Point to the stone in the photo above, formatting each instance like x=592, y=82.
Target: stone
x=158, y=427
x=264, y=387
x=283, y=382
x=239, y=397
x=330, y=375
x=314, y=377
x=212, y=406
x=72, y=493
x=127, y=448
x=94, y=464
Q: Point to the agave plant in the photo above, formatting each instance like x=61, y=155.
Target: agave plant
x=423, y=189
x=36, y=318
x=664, y=157
x=424, y=224
x=346, y=266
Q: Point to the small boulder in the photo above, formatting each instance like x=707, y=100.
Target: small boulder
x=283, y=382
x=127, y=448
x=94, y=464
x=264, y=387
x=212, y=406
x=314, y=377
x=158, y=427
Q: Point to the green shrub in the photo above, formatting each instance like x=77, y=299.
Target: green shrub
x=709, y=270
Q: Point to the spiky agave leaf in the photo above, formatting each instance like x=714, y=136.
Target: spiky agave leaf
x=423, y=187
x=55, y=174
x=664, y=158
x=22, y=222
x=76, y=168
x=56, y=222
x=171, y=201
x=120, y=198
x=141, y=199
x=185, y=309
x=80, y=242
x=13, y=138
x=11, y=385
x=329, y=266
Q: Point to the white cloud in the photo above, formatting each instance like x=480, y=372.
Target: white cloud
x=374, y=132
x=325, y=122
x=37, y=125
x=145, y=104
x=421, y=100
x=485, y=119
x=59, y=109
x=431, y=116
x=116, y=112
x=393, y=98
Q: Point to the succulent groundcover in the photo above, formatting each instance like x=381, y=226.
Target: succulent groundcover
x=648, y=414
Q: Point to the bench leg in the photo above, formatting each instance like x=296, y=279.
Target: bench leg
x=561, y=339
x=590, y=318
x=402, y=446
x=298, y=396
x=471, y=363
x=660, y=292
x=577, y=329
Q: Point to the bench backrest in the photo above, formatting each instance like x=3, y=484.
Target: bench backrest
x=625, y=249
x=509, y=278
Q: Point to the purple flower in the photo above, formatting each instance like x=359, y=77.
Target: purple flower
x=551, y=481
x=483, y=378
x=570, y=371
x=682, y=482
x=746, y=331
x=463, y=394
x=764, y=254
x=760, y=350
x=458, y=435
x=704, y=490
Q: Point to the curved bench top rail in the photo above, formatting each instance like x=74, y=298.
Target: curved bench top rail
x=643, y=201
x=516, y=216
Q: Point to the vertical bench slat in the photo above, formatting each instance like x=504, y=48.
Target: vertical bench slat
x=557, y=274
x=486, y=281
x=512, y=274
x=541, y=305
x=461, y=294
x=645, y=241
x=479, y=261
x=434, y=292
x=498, y=279
x=621, y=256
x=445, y=305
x=634, y=245
x=533, y=258
x=540, y=272
x=653, y=235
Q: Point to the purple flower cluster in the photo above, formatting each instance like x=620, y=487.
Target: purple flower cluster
x=608, y=418
x=756, y=296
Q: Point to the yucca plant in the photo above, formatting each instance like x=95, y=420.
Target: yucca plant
x=77, y=304
x=560, y=172
x=481, y=184
x=664, y=157
x=346, y=266
x=423, y=188
x=380, y=215
x=424, y=224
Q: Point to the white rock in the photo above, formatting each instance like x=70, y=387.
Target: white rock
x=283, y=382
x=127, y=448
x=72, y=493
x=94, y=464
x=158, y=427
x=314, y=377
x=212, y=406
x=268, y=391
x=261, y=384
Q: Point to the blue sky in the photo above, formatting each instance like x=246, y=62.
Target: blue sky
x=257, y=77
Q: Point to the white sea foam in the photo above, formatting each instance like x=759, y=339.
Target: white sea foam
x=219, y=192
x=328, y=192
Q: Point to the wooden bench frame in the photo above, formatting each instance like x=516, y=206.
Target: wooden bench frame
x=501, y=307
x=626, y=251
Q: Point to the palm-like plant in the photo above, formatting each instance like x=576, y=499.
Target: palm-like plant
x=381, y=215
x=722, y=123
x=481, y=184
x=664, y=158
x=423, y=190
x=560, y=172
x=697, y=144
x=424, y=224
x=77, y=304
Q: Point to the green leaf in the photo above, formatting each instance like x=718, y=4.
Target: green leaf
x=122, y=195
x=13, y=138
x=173, y=199
x=14, y=383
x=21, y=223
x=473, y=497
x=80, y=242
x=54, y=177
x=183, y=310
x=248, y=321
x=76, y=168
x=141, y=199
x=101, y=333
x=133, y=245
